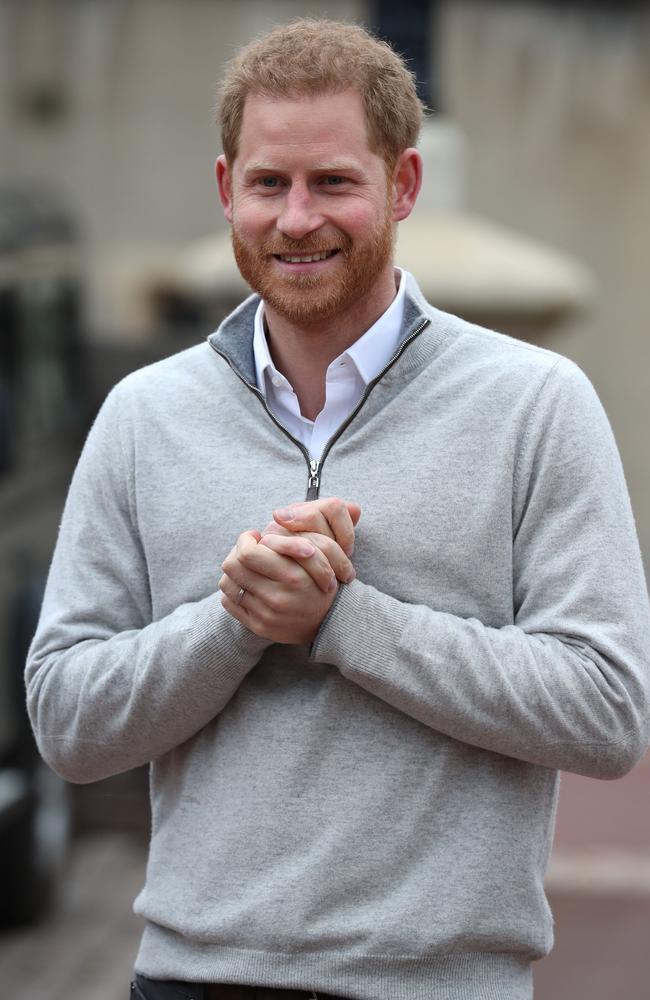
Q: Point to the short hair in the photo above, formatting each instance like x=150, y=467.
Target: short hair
x=318, y=56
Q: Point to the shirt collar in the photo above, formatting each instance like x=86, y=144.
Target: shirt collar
x=369, y=354
x=374, y=349
x=261, y=353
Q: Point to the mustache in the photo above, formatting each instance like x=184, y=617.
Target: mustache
x=309, y=245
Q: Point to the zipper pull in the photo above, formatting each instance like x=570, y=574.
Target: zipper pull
x=314, y=480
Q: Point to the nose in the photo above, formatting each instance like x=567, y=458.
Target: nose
x=299, y=216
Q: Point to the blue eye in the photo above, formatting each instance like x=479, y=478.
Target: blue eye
x=270, y=182
x=333, y=180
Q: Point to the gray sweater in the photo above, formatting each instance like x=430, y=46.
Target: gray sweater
x=372, y=816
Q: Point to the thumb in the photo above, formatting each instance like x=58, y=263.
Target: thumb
x=354, y=510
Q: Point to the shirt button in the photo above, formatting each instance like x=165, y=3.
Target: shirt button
x=277, y=381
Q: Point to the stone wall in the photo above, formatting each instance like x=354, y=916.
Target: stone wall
x=133, y=142
x=555, y=104
x=554, y=101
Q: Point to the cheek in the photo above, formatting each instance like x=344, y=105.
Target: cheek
x=360, y=217
x=253, y=218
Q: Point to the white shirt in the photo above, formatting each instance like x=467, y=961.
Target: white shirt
x=346, y=378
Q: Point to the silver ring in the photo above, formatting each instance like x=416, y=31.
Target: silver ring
x=240, y=595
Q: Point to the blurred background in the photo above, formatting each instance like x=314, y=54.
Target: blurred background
x=534, y=220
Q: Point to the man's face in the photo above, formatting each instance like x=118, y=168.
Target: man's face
x=310, y=205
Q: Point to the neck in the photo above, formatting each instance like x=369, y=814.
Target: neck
x=304, y=351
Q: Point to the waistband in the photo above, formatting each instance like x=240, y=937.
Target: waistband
x=145, y=988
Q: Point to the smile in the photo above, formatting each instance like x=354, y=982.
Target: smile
x=307, y=258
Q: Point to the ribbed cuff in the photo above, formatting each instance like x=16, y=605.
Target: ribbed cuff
x=215, y=637
x=360, y=631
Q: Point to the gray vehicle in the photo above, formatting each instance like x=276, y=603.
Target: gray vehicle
x=43, y=417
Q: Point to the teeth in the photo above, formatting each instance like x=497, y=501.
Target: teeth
x=307, y=260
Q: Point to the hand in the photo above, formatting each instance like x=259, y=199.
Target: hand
x=328, y=516
x=288, y=582
x=337, y=565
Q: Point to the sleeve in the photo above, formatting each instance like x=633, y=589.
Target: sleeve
x=567, y=685
x=109, y=689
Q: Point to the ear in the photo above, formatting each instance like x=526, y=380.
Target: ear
x=407, y=181
x=224, y=183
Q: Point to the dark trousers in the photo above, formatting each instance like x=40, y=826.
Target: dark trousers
x=143, y=988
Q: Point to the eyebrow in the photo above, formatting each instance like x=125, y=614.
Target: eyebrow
x=342, y=167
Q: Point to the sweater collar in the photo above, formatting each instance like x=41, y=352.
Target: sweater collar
x=233, y=339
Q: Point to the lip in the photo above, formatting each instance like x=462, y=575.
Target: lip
x=304, y=267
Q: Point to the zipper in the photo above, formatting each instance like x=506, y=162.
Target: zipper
x=315, y=465
x=313, y=483
x=256, y=392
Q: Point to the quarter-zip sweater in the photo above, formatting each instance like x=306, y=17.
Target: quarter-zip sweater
x=370, y=817
x=346, y=378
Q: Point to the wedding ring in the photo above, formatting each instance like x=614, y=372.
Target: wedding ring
x=240, y=595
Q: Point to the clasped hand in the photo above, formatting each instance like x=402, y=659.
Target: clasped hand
x=290, y=572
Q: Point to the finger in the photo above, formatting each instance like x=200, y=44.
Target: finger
x=317, y=564
x=260, y=593
x=235, y=610
x=233, y=567
x=338, y=560
x=254, y=565
x=336, y=557
x=237, y=577
x=308, y=516
x=273, y=528
x=253, y=535
x=292, y=546
x=232, y=564
x=246, y=540
x=309, y=519
x=354, y=510
x=248, y=554
x=233, y=590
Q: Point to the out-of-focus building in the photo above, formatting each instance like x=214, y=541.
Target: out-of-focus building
x=534, y=217
x=113, y=103
x=554, y=101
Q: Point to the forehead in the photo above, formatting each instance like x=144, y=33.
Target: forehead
x=321, y=125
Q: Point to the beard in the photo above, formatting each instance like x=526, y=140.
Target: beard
x=304, y=298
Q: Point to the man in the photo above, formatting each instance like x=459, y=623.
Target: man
x=353, y=779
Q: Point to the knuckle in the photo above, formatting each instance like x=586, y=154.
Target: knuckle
x=326, y=571
x=332, y=552
x=336, y=505
x=327, y=545
x=265, y=616
x=293, y=581
x=271, y=605
x=244, y=544
x=247, y=558
x=276, y=605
